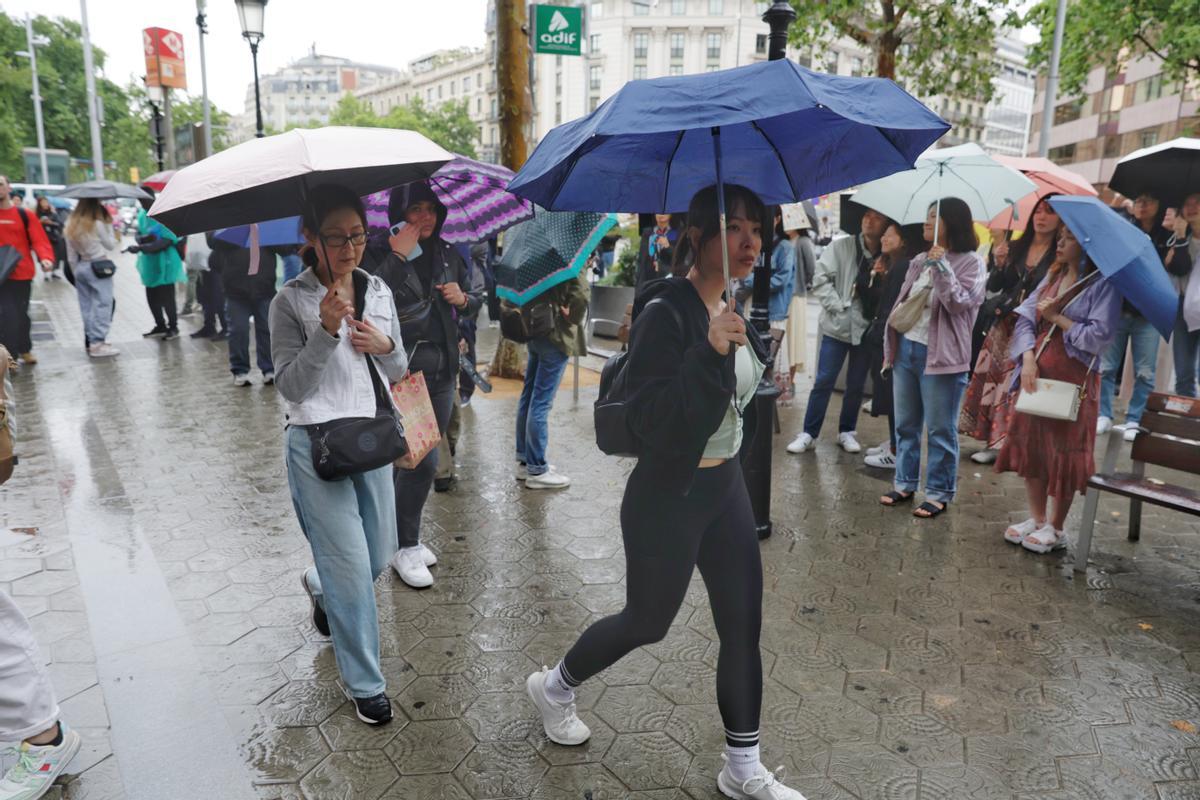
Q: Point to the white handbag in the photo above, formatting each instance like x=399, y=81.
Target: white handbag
x=1053, y=399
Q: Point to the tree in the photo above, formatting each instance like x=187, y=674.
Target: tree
x=1110, y=33
x=449, y=124
x=191, y=110
x=944, y=47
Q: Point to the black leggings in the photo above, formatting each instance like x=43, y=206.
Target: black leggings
x=161, y=300
x=666, y=536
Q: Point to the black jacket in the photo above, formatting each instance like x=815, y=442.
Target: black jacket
x=233, y=265
x=679, y=387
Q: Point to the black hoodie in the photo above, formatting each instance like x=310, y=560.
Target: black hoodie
x=679, y=387
x=412, y=285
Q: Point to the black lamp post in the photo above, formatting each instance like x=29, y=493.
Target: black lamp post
x=251, y=13
x=760, y=418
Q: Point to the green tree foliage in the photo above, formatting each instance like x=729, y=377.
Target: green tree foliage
x=449, y=124
x=942, y=47
x=1111, y=32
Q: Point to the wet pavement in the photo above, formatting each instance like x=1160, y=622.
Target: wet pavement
x=904, y=659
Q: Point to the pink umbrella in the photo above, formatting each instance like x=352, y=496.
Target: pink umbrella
x=1050, y=179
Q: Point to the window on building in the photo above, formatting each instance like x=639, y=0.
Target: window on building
x=440, y=88
x=639, y=72
x=594, y=73
x=641, y=8
x=1068, y=112
x=1062, y=153
x=596, y=10
x=760, y=44
x=466, y=84
x=676, y=69
x=713, y=48
x=712, y=68
x=641, y=44
x=716, y=6
x=1112, y=146
x=594, y=44
x=805, y=59
x=678, y=7
x=677, y=41
x=831, y=63
x=429, y=95
x=1149, y=138
x=453, y=84
x=593, y=102
x=493, y=107
x=478, y=105
x=558, y=113
x=856, y=66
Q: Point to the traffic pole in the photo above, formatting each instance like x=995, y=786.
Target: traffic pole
x=89, y=70
x=1060, y=21
x=37, y=100
x=202, y=27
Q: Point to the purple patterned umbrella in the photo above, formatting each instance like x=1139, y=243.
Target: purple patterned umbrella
x=476, y=197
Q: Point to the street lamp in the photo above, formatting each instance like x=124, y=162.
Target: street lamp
x=33, y=43
x=251, y=13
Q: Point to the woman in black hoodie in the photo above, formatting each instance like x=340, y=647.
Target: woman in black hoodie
x=691, y=370
x=429, y=281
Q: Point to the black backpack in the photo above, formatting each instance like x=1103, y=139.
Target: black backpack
x=613, y=435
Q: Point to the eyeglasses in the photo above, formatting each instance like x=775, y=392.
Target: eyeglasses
x=337, y=241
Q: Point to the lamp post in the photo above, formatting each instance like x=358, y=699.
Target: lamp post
x=760, y=425
x=94, y=107
x=31, y=54
x=202, y=27
x=251, y=13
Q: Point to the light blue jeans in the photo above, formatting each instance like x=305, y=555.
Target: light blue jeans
x=95, y=302
x=1185, y=346
x=542, y=376
x=1138, y=332
x=930, y=402
x=350, y=525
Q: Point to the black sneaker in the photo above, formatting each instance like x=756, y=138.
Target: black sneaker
x=375, y=710
x=173, y=333
x=319, y=620
x=221, y=334
x=204, y=333
x=444, y=484
x=155, y=333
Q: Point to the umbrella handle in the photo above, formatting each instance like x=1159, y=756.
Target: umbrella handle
x=716, y=139
x=937, y=214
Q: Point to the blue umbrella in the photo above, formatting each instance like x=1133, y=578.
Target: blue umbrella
x=783, y=131
x=271, y=233
x=1124, y=255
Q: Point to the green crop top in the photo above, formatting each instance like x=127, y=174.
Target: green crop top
x=727, y=440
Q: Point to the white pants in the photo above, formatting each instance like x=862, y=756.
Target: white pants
x=27, y=704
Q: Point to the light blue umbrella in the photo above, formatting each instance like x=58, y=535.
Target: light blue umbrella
x=1124, y=255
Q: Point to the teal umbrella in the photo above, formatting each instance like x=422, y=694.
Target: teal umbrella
x=547, y=250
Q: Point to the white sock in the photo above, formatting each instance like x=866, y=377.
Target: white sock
x=557, y=688
x=744, y=762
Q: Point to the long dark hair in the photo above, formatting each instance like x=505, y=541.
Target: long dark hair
x=703, y=214
x=959, y=225
x=323, y=201
x=1018, y=251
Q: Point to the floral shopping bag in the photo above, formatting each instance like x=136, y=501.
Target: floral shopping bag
x=411, y=397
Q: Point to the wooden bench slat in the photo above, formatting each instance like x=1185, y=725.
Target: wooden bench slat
x=1167, y=495
x=1170, y=453
x=1172, y=425
x=1173, y=404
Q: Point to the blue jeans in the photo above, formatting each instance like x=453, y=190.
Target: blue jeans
x=1138, y=332
x=542, y=376
x=932, y=402
x=1185, y=345
x=606, y=261
x=95, y=302
x=829, y=363
x=292, y=266
x=239, y=312
x=350, y=525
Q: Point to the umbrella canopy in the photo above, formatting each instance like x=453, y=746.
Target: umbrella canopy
x=102, y=190
x=785, y=132
x=1049, y=178
x=271, y=233
x=547, y=250
x=159, y=180
x=1124, y=255
x=965, y=171
x=1170, y=169
x=267, y=178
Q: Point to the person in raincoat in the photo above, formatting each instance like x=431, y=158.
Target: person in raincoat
x=161, y=266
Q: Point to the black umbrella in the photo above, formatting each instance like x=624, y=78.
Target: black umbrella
x=1170, y=171
x=103, y=190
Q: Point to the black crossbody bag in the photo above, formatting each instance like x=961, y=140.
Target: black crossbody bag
x=350, y=445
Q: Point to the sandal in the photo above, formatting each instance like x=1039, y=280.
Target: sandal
x=1045, y=539
x=1017, y=533
x=930, y=510
x=896, y=498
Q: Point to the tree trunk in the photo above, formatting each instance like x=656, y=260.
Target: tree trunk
x=885, y=54
x=516, y=114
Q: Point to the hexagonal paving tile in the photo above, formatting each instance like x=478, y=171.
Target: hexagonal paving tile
x=501, y=716
x=647, y=760
x=364, y=774
x=584, y=780
x=284, y=754
x=630, y=709
x=437, y=697
x=501, y=769
x=423, y=748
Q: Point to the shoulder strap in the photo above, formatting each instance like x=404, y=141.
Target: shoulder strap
x=25, y=221
x=674, y=311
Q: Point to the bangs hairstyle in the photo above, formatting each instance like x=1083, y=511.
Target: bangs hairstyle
x=323, y=201
x=704, y=215
x=959, y=225
x=1018, y=251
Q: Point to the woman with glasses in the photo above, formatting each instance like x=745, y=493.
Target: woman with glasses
x=334, y=336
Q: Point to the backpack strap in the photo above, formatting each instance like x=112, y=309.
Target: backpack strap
x=25, y=221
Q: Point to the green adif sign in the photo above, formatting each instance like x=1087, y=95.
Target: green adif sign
x=558, y=30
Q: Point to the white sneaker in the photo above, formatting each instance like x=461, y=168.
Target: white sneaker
x=547, y=480
x=848, y=441
x=268, y=378
x=102, y=350
x=1131, y=433
x=884, y=460
x=764, y=786
x=1017, y=533
x=522, y=472
x=984, y=457
x=241, y=380
x=1045, y=539
x=38, y=767
x=410, y=566
x=427, y=556
x=801, y=444
x=562, y=725
x=1103, y=425
x=883, y=447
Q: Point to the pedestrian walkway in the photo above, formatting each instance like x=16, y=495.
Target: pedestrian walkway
x=158, y=557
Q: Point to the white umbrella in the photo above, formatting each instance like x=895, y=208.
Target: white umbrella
x=268, y=178
x=965, y=171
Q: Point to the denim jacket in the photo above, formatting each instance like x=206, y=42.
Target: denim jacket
x=321, y=376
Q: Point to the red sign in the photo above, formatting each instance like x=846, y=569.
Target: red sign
x=164, y=58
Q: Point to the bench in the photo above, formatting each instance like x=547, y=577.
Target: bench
x=1169, y=436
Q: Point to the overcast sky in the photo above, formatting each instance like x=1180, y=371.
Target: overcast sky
x=388, y=32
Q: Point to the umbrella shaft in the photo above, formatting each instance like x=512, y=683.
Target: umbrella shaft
x=716, y=137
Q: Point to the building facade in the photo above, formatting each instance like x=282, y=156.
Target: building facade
x=1119, y=111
